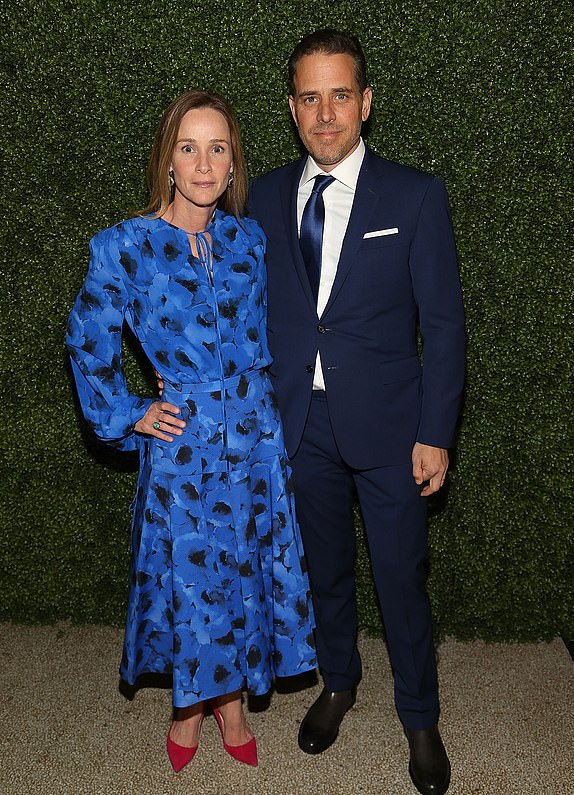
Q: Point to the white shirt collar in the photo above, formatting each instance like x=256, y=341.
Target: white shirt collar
x=346, y=172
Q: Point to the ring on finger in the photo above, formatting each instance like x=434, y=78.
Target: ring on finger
x=156, y=425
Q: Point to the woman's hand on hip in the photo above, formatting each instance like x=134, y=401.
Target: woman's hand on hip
x=158, y=421
x=159, y=380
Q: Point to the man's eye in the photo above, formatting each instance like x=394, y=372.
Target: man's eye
x=309, y=100
x=342, y=97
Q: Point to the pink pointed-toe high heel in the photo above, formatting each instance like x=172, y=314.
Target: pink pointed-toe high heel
x=246, y=753
x=179, y=755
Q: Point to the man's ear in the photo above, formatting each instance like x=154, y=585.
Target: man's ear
x=367, y=99
x=292, y=107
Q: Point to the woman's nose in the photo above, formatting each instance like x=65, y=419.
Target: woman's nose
x=203, y=165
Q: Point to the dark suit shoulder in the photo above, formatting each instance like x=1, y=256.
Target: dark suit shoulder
x=279, y=176
x=392, y=170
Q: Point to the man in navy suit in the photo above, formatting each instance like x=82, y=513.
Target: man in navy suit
x=361, y=415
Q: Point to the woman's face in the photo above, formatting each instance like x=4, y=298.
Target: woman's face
x=202, y=158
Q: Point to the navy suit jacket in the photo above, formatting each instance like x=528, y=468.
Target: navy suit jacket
x=381, y=397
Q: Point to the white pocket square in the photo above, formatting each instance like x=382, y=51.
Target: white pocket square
x=381, y=232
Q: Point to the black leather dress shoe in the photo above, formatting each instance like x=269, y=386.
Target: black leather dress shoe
x=429, y=767
x=320, y=726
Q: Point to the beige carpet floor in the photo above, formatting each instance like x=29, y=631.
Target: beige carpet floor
x=66, y=729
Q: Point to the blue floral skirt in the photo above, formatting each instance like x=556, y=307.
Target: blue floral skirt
x=219, y=595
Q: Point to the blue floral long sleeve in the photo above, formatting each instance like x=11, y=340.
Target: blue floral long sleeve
x=94, y=340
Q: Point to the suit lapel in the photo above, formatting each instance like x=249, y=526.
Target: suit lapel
x=289, y=210
x=364, y=204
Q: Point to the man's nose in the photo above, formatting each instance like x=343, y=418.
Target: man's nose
x=326, y=112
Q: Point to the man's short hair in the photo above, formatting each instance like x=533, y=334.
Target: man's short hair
x=330, y=42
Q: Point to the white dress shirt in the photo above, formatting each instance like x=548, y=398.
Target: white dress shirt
x=338, y=198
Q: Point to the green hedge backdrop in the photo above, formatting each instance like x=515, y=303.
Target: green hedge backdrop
x=474, y=91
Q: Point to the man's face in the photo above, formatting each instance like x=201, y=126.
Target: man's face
x=328, y=107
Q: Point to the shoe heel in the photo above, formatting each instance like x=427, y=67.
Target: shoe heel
x=246, y=753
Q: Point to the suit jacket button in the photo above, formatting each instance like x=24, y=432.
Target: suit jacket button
x=321, y=329
x=309, y=368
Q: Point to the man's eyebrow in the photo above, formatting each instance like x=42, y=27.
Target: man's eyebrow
x=340, y=90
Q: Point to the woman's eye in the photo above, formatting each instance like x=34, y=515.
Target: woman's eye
x=218, y=149
x=187, y=149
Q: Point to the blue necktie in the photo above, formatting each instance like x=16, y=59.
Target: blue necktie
x=311, y=233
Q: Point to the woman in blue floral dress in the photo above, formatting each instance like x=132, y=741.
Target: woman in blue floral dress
x=218, y=594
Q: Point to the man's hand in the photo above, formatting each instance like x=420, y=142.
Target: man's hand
x=429, y=463
x=158, y=421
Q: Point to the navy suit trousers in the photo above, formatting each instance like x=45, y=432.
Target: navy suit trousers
x=394, y=515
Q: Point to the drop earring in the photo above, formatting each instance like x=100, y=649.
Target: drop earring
x=171, y=179
x=230, y=179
